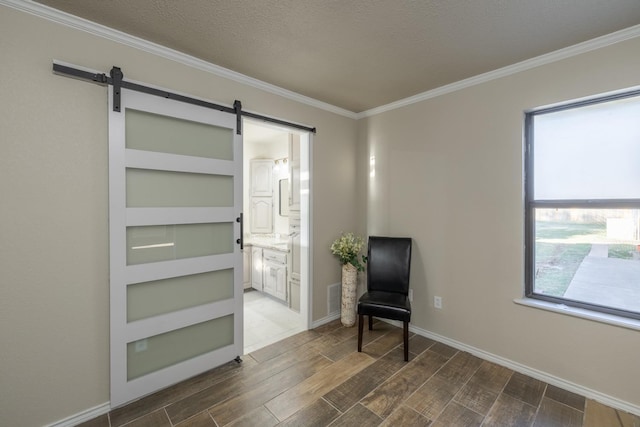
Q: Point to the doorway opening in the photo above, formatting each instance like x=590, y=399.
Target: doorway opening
x=276, y=259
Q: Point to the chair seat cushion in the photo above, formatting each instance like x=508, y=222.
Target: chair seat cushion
x=389, y=305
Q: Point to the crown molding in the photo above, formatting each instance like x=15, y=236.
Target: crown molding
x=71, y=21
x=558, y=55
x=48, y=13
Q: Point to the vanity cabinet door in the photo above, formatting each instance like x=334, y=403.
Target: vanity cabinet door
x=275, y=279
x=246, y=267
x=256, y=268
x=261, y=178
x=281, y=283
x=294, y=294
x=261, y=215
x=269, y=279
x=275, y=273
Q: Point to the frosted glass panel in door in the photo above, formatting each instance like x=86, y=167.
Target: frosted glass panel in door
x=154, y=188
x=156, y=297
x=153, y=243
x=154, y=132
x=157, y=352
x=175, y=181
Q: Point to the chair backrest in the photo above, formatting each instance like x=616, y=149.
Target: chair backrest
x=389, y=264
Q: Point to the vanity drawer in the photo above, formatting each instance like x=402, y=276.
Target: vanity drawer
x=275, y=256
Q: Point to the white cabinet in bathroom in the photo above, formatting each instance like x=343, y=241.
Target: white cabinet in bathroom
x=275, y=273
x=294, y=261
x=246, y=266
x=269, y=271
x=261, y=200
x=294, y=294
x=256, y=268
x=294, y=172
x=261, y=215
x=261, y=178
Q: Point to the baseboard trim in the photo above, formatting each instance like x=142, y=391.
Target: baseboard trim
x=96, y=411
x=532, y=372
x=325, y=320
x=83, y=416
x=518, y=367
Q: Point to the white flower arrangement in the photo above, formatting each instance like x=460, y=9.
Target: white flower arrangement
x=347, y=248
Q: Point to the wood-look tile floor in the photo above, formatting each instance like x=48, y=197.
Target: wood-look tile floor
x=317, y=378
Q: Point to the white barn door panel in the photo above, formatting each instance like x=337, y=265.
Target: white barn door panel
x=175, y=192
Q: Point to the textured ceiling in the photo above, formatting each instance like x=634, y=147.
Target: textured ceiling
x=360, y=54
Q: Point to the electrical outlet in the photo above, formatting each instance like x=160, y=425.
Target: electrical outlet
x=437, y=302
x=410, y=295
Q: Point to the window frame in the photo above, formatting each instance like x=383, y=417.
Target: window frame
x=531, y=204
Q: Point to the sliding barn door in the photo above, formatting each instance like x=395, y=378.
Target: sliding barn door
x=175, y=197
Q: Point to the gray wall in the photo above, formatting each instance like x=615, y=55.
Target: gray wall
x=54, y=295
x=449, y=174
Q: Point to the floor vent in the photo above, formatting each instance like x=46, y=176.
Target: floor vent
x=333, y=298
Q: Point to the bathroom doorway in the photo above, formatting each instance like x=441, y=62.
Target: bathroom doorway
x=276, y=253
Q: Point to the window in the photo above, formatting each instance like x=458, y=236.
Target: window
x=582, y=204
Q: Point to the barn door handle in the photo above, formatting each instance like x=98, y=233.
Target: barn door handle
x=240, y=241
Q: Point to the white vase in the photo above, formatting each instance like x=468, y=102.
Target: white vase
x=349, y=285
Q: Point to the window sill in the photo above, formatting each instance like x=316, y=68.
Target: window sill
x=581, y=312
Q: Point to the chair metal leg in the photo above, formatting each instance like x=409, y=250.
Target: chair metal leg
x=371, y=323
x=360, y=325
x=406, y=341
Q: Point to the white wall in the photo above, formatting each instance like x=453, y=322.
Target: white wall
x=54, y=289
x=449, y=174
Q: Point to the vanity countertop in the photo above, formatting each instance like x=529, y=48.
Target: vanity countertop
x=268, y=241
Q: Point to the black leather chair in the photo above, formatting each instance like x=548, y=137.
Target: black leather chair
x=387, y=296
